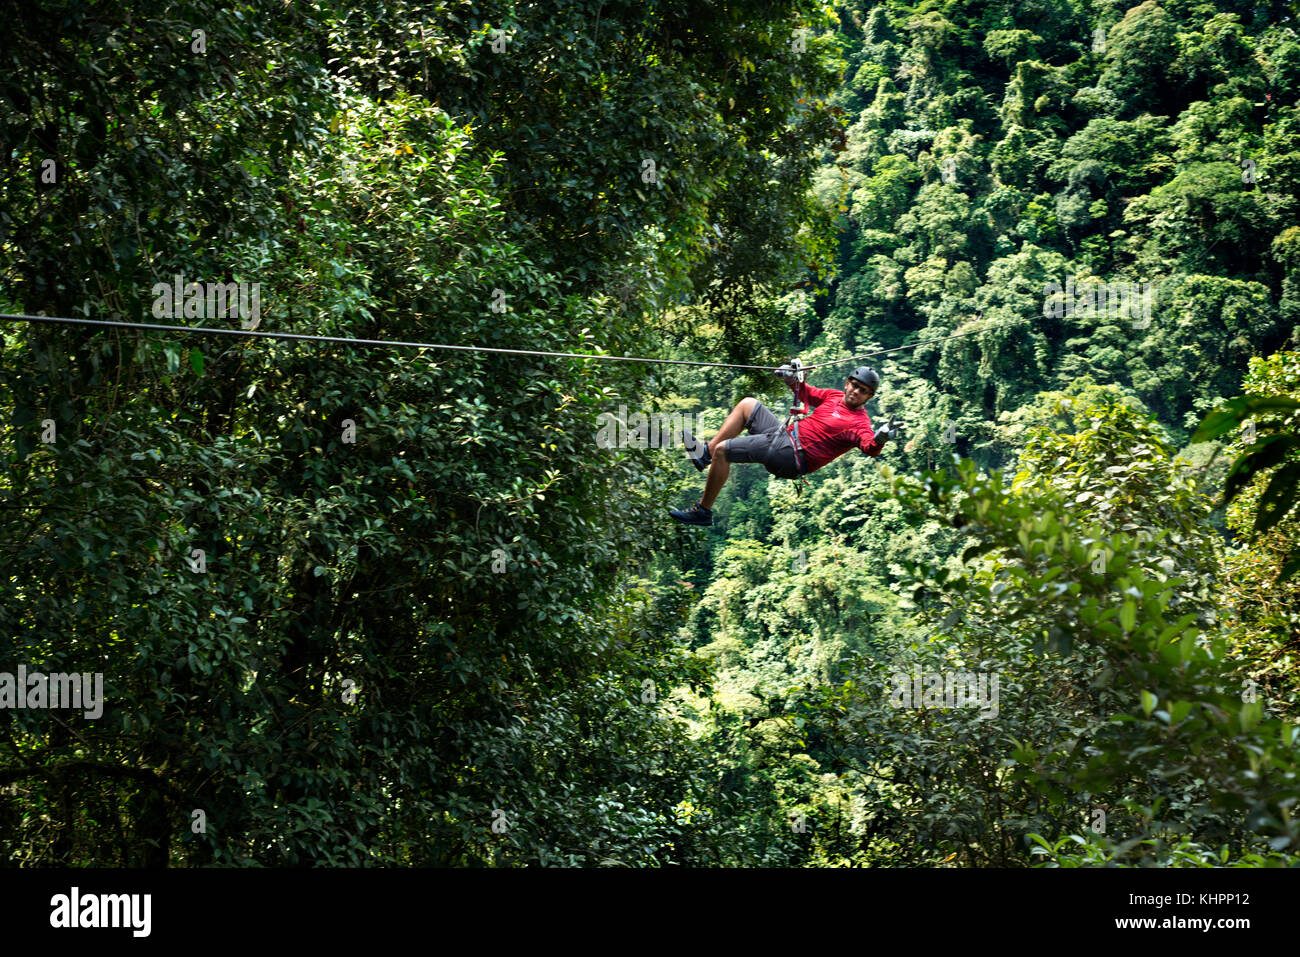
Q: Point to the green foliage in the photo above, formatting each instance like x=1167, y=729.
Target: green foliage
x=1263, y=594
x=1140, y=50
x=1074, y=574
x=421, y=643
x=1090, y=850
x=1124, y=161
x=994, y=152
x=461, y=636
x=1094, y=604
x=1273, y=453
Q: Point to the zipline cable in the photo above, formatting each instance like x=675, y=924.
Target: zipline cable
x=152, y=326
x=156, y=327
x=881, y=352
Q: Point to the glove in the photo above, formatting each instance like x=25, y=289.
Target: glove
x=893, y=429
x=791, y=373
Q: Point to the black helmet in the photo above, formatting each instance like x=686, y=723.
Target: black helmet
x=867, y=376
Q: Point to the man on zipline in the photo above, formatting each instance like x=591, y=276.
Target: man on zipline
x=837, y=424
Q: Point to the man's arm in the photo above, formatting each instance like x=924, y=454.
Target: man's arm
x=867, y=440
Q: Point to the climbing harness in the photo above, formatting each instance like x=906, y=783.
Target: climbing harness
x=797, y=414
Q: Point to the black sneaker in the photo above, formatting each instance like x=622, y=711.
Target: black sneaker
x=697, y=514
x=697, y=451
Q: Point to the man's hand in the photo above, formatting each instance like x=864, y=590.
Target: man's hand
x=893, y=429
x=791, y=373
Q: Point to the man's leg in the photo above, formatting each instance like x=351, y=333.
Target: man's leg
x=734, y=424
x=720, y=468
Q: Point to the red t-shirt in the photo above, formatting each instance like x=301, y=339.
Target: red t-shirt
x=832, y=429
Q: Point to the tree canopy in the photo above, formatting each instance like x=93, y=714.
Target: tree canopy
x=356, y=605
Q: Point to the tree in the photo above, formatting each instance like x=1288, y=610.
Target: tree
x=352, y=604
x=1140, y=52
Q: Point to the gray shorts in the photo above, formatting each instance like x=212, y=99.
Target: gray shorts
x=767, y=444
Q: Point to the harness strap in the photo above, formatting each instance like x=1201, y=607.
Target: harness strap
x=796, y=414
x=798, y=449
x=793, y=432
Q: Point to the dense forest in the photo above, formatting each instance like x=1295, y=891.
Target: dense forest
x=390, y=605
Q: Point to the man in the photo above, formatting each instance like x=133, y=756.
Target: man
x=837, y=424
